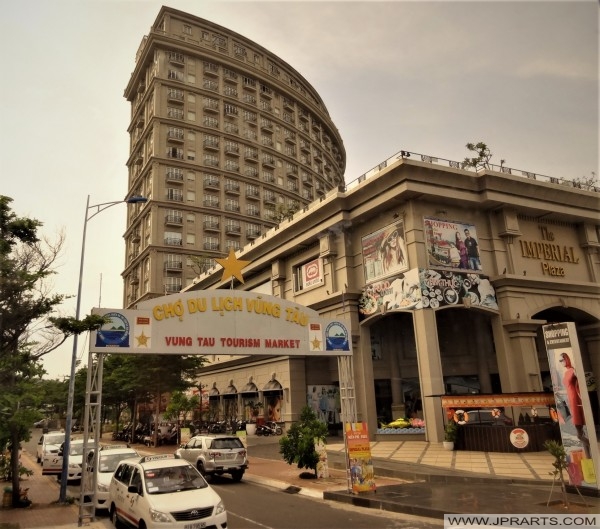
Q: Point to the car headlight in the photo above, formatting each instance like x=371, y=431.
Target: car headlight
x=220, y=508
x=160, y=517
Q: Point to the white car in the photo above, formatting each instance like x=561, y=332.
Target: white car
x=163, y=491
x=49, y=443
x=107, y=459
x=53, y=462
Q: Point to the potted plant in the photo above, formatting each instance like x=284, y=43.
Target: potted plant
x=450, y=433
x=254, y=408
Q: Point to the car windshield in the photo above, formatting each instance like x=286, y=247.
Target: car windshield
x=54, y=438
x=173, y=479
x=109, y=462
x=76, y=449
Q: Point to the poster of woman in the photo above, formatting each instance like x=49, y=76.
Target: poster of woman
x=572, y=403
x=384, y=252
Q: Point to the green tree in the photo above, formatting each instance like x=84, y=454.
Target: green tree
x=482, y=160
x=298, y=445
x=27, y=329
x=589, y=183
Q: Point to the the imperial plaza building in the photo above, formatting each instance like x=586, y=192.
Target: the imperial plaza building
x=225, y=140
x=445, y=276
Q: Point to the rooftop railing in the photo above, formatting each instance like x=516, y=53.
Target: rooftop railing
x=460, y=165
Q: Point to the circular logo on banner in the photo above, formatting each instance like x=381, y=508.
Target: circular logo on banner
x=115, y=332
x=519, y=438
x=336, y=336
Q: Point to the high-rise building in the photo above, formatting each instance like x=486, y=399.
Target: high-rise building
x=226, y=140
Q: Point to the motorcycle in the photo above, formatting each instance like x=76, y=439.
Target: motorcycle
x=269, y=428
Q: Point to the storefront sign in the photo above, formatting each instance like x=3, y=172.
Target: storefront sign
x=219, y=322
x=519, y=438
x=551, y=254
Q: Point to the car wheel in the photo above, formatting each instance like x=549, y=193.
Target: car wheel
x=201, y=468
x=237, y=475
x=113, y=516
x=38, y=459
x=142, y=525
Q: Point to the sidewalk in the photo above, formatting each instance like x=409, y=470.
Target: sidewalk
x=416, y=478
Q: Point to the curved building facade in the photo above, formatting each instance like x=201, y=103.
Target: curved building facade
x=226, y=140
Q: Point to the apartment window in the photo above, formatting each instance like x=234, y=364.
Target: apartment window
x=231, y=128
x=176, y=56
x=175, y=113
x=232, y=244
x=291, y=168
x=232, y=165
x=251, y=171
x=232, y=226
x=175, y=75
x=211, y=159
x=251, y=152
x=230, y=91
x=232, y=204
x=191, y=78
x=211, y=180
x=190, y=218
x=266, y=106
x=232, y=185
x=174, y=216
x=252, y=190
x=253, y=210
x=173, y=262
x=172, y=284
x=250, y=116
x=190, y=239
x=191, y=155
x=239, y=50
x=248, y=82
x=191, y=115
x=175, y=152
x=230, y=74
x=175, y=94
x=267, y=159
x=174, y=194
x=175, y=133
x=290, y=150
x=265, y=90
x=252, y=230
x=172, y=238
x=232, y=147
x=211, y=122
x=191, y=98
x=211, y=141
x=174, y=173
x=190, y=196
x=250, y=134
x=231, y=110
x=211, y=221
x=211, y=201
x=191, y=177
x=210, y=84
x=219, y=40
x=187, y=29
x=211, y=243
x=249, y=98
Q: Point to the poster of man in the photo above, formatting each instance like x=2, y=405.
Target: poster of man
x=384, y=252
x=452, y=245
x=325, y=401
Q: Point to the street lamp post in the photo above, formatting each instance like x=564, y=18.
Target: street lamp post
x=69, y=419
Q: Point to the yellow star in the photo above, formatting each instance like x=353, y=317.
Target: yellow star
x=316, y=343
x=142, y=340
x=232, y=266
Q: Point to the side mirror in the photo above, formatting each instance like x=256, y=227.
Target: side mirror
x=133, y=489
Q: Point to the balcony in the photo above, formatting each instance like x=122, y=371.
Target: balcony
x=212, y=145
x=252, y=233
x=212, y=183
x=232, y=188
x=134, y=280
x=211, y=106
x=172, y=288
x=211, y=225
x=172, y=241
x=232, y=207
x=174, y=220
x=174, y=266
x=175, y=136
x=211, y=69
x=211, y=245
x=135, y=237
x=173, y=177
x=233, y=229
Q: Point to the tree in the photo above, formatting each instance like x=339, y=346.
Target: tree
x=589, y=183
x=298, y=445
x=482, y=160
x=283, y=212
x=27, y=329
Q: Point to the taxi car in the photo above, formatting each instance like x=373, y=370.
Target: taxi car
x=53, y=462
x=105, y=461
x=49, y=443
x=161, y=491
x=216, y=454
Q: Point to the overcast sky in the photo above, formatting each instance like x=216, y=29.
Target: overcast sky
x=427, y=77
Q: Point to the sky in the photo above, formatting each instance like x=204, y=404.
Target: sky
x=427, y=77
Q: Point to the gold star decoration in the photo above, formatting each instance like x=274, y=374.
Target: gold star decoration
x=316, y=343
x=142, y=340
x=232, y=266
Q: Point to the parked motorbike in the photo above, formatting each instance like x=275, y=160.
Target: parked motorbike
x=269, y=428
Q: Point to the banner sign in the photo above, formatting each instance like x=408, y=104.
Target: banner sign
x=220, y=322
x=420, y=288
x=572, y=404
x=362, y=475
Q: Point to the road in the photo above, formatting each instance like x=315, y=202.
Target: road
x=254, y=506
